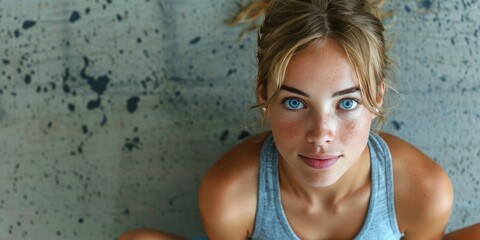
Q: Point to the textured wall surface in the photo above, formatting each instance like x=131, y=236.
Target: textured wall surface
x=112, y=110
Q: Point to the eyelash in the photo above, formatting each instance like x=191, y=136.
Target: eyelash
x=356, y=100
x=284, y=101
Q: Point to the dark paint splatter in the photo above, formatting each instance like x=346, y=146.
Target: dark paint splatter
x=6, y=61
x=119, y=17
x=427, y=4
x=195, y=40
x=84, y=129
x=104, y=121
x=16, y=33
x=244, y=134
x=132, y=144
x=407, y=9
x=132, y=104
x=65, y=87
x=443, y=78
x=28, y=79
x=74, y=17
x=53, y=85
x=231, y=71
x=71, y=107
x=28, y=24
x=397, y=125
x=98, y=85
x=92, y=104
x=224, y=136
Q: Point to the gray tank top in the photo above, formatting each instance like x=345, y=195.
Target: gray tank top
x=380, y=223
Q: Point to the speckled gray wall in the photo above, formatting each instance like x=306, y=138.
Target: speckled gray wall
x=112, y=110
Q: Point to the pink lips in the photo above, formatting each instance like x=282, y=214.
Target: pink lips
x=322, y=162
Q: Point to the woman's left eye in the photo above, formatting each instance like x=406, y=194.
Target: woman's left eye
x=348, y=104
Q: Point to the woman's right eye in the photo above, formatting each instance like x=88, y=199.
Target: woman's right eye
x=293, y=103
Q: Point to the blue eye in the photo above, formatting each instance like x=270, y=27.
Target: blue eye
x=294, y=103
x=348, y=104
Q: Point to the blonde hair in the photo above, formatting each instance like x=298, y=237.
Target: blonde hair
x=291, y=25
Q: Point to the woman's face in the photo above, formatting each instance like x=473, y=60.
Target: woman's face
x=319, y=123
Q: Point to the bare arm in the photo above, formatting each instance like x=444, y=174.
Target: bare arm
x=228, y=193
x=221, y=213
x=149, y=234
x=423, y=191
x=470, y=232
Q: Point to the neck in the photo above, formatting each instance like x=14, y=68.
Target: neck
x=355, y=179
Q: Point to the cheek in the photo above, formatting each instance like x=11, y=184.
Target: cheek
x=355, y=130
x=352, y=127
x=287, y=129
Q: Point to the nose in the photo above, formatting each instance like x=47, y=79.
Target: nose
x=322, y=130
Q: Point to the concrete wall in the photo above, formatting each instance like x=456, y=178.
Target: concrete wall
x=112, y=110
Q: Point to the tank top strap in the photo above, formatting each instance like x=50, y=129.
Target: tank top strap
x=271, y=221
x=381, y=220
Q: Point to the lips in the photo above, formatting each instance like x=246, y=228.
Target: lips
x=320, y=162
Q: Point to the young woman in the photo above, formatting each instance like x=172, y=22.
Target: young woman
x=322, y=172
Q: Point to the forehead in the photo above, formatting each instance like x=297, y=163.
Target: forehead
x=321, y=66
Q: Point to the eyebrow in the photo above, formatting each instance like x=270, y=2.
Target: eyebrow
x=336, y=94
x=294, y=90
x=347, y=91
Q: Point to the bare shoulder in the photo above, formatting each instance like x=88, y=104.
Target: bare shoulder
x=228, y=193
x=423, y=191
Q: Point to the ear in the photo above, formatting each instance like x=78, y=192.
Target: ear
x=261, y=100
x=379, y=99
x=381, y=94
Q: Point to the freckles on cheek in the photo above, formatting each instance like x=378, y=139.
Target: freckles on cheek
x=357, y=130
x=352, y=129
x=286, y=129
